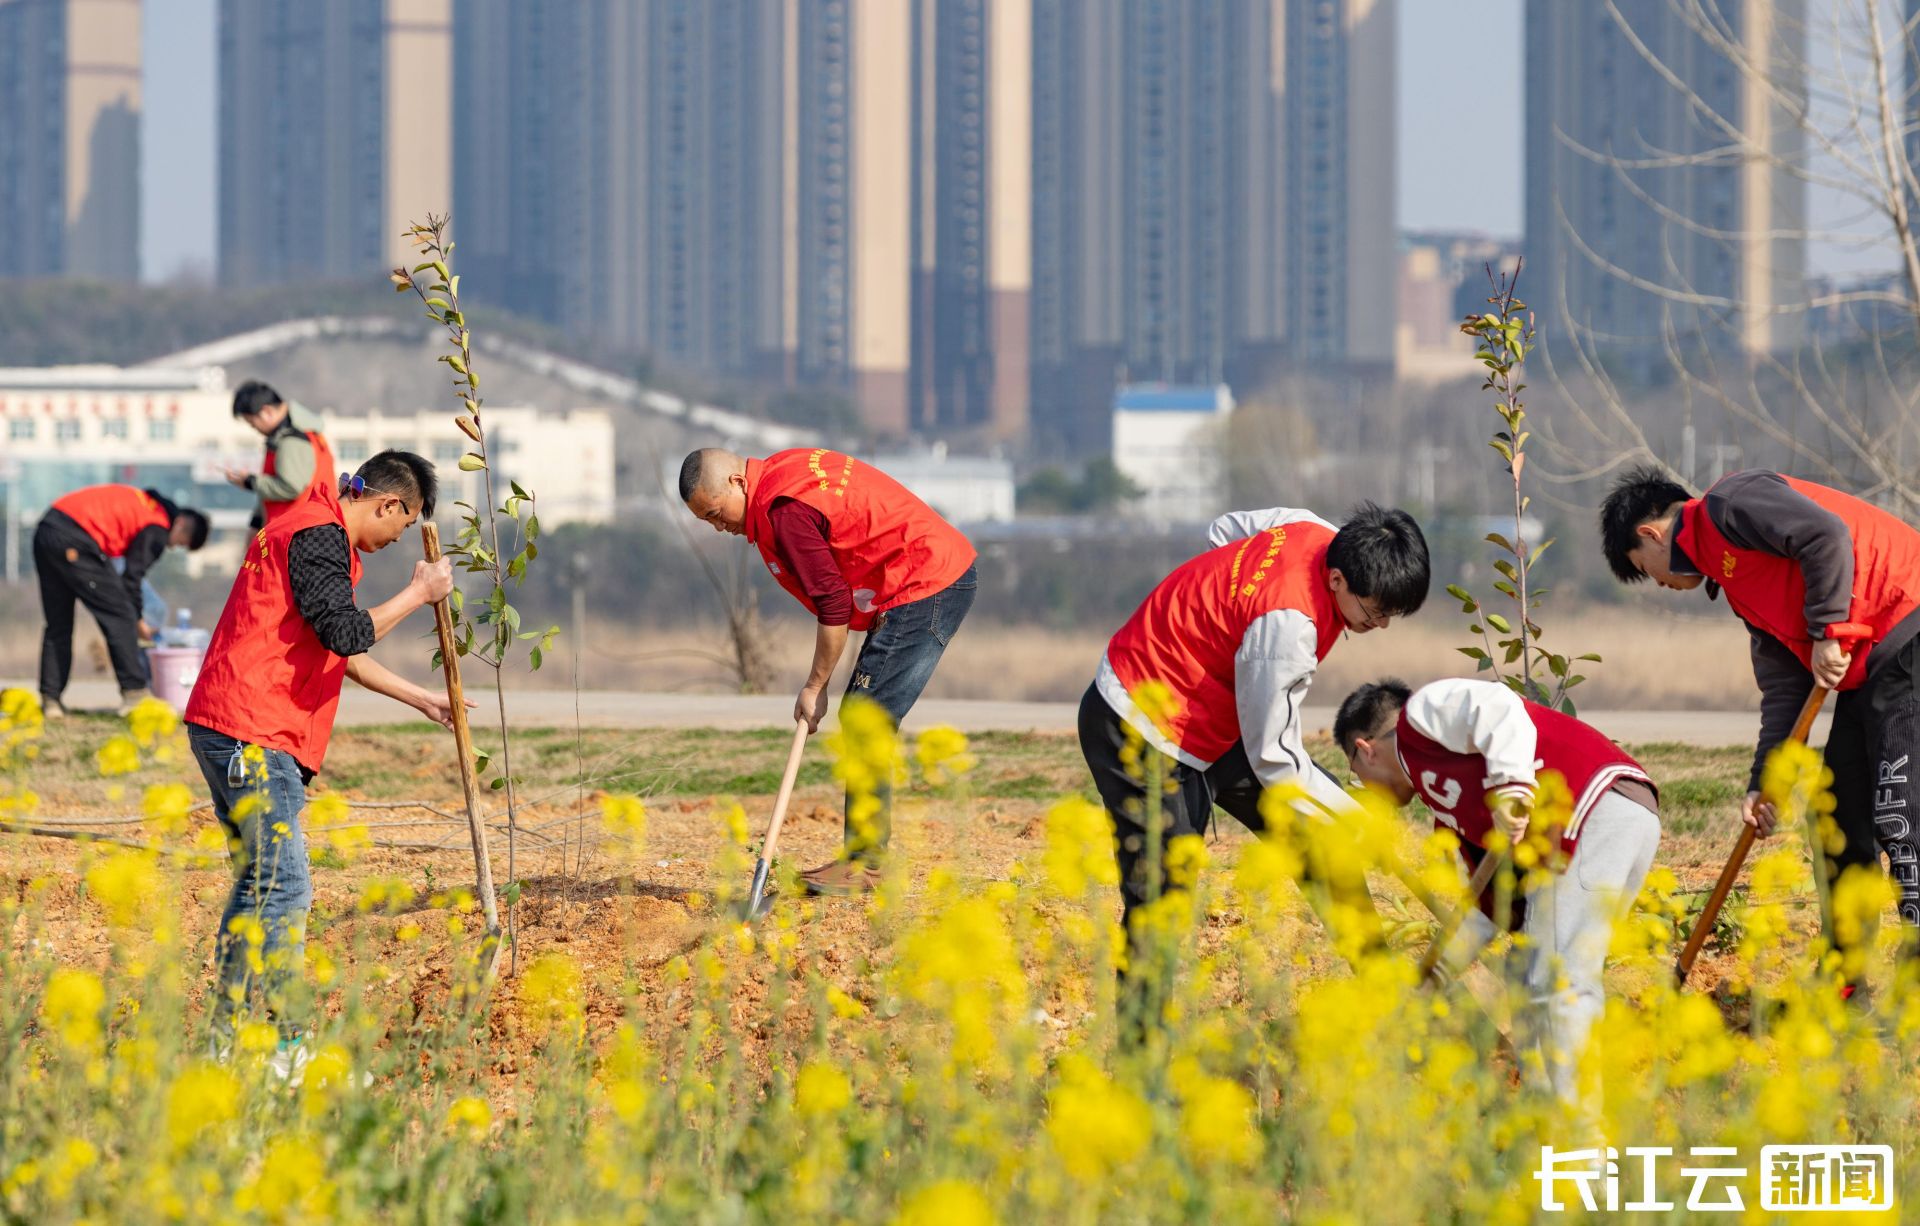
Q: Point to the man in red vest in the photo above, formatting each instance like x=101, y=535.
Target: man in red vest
x=71, y=550
x=861, y=553
x=1794, y=558
x=1474, y=751
x=298, y=461
x=262, y=710
x=1222, y=654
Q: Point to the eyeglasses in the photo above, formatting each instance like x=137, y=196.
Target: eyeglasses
x=356, y=485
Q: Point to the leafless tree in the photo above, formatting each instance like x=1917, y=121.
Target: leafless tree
x=1819, y=378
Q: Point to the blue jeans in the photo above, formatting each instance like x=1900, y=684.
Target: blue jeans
x=895, y=663
x=262, y=938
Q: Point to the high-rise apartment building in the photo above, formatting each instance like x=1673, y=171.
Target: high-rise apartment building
x=1342, y=258
x=1212, y=197
x=1643, y=218
x=833, y=192
x=70, y=138
x=335, y=132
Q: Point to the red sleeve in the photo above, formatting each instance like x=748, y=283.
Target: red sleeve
x=800, y=541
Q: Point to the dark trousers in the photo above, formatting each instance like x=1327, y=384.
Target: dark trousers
x=1873, y=750
x=896, y=661
x=71, y=567
x=1187, y=802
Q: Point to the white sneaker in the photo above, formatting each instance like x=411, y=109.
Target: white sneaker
x=288, y=1064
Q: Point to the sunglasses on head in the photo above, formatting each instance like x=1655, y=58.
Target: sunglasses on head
x=356, y=485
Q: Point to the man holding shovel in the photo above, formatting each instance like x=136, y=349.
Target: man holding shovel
x=861, y=552
x=263, y=709
x=1213, y=668
x=1474, y=751
x=1804, y=566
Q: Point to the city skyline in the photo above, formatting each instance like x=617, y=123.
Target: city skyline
x=1442, y=184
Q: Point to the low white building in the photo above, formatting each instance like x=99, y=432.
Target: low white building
x=1168, y=440
x=964, y=489
x=64, y=427
x=564, y=459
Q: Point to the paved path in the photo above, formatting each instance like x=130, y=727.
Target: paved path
x=621, y=709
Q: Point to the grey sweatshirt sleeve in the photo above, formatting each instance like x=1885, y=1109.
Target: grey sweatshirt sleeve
x=1759, y=510
x=1784, y=685
x=1271, y=673
x=293, y=470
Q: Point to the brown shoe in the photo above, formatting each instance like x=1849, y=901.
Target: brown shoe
x=841, y=879
x=129, y=699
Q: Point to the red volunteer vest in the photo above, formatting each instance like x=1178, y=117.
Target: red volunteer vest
x=1455, y=786
x=1184, y=635
x=1770, y=593
x=112, y=515
x=891, y=548
x=324, y=483
x=267, y=680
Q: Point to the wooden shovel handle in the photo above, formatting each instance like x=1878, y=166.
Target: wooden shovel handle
x=462, y=739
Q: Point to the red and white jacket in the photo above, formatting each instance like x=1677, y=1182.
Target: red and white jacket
x=1235, y=635
x=1463, y=741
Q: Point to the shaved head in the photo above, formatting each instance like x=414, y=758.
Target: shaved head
x=713, y=484
x=707, y=470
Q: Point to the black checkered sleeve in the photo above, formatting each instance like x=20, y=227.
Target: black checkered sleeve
x=319, y=570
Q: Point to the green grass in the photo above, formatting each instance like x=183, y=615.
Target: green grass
x=1700, y=788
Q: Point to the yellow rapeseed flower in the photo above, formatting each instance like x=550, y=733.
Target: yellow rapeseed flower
x=1158, y=703
x=623, y=816
x=72, y=1006
x=949, y=1202
x=166, y=806
x=942, y=754
x=127, y=885
x=551, y=994
x=821, y=1089
x=623, y=1075
x=328, y=1072
x=961, y=959
x=70, y=1161
x=291, y=1183
x=1095, y=1126
x=152, y=721
x=119, y=756
x=202, y=1097
x=843, y=1005
x=1216, y=1121
x=469, y=1117
x=1186, y=857
x=1079, y=848
x=865, y=748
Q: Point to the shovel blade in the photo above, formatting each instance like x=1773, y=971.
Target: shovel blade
x=757, y=892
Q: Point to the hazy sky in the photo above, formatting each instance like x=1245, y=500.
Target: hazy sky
x=179, y=101
x=1446, y=62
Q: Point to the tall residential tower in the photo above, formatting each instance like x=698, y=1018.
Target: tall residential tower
x=70, y=139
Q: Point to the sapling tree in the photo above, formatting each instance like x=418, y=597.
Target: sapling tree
x=1504, y=336
x=490, y=634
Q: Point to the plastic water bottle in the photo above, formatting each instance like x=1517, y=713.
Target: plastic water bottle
x=183, y=633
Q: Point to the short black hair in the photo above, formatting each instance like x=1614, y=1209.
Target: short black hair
x=1367, y=708
x=1383, y=557
x=403, y=473
x=197, y=521
x=690, y=469
x=252, y=396
x=1641, y=496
